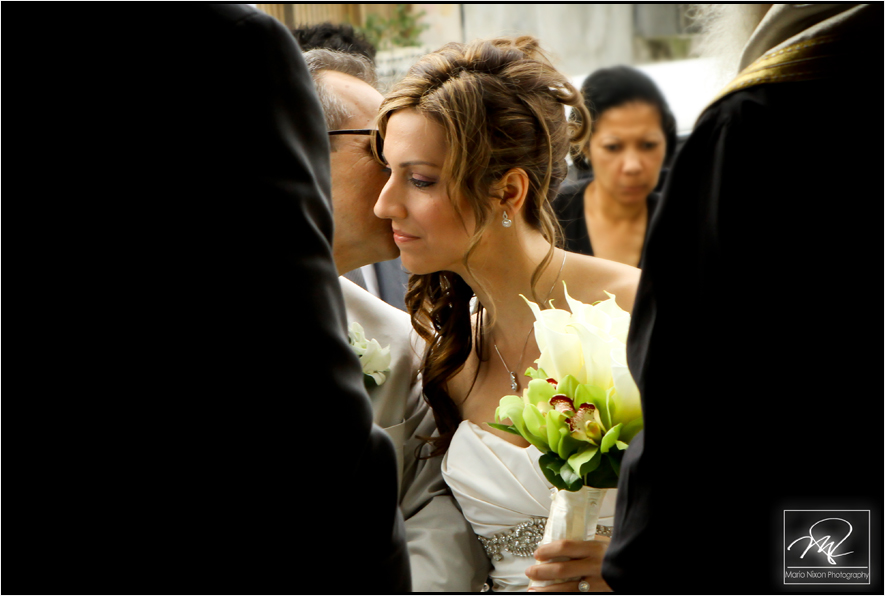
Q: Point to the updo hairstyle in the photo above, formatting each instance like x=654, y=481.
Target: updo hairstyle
x=501, y=105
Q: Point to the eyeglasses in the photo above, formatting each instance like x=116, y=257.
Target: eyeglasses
x=377, y=143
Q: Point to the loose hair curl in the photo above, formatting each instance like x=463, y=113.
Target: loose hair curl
x=501, y=105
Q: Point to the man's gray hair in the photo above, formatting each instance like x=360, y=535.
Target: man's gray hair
x=355, y=65
x=724, y=32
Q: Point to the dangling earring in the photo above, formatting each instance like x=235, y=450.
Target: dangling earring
x=506, y=222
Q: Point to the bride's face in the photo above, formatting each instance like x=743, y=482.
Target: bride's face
x=429, y=232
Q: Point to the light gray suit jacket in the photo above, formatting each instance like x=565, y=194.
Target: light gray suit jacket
x=445, y=554
x=392, y=282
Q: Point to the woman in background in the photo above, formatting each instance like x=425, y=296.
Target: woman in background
x=606, y=212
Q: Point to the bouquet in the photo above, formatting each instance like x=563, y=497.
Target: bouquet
x=581, y=409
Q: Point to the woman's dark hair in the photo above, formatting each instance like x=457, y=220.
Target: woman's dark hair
x=613, y=87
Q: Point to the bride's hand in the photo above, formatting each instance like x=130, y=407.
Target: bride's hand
x=586, y=563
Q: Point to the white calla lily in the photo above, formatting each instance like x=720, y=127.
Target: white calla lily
x=560, y=349
x=619, y=319
x=596, y=351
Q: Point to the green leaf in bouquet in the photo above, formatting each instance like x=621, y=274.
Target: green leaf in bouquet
x=611, y=408
x=550, y=465
x=581, y=461
x=568, y=385
x=555, y=423
x=611, y=403
x=610, y=439
x=614, y=460
x=631, y=429
x=604, y=476
x=539, y=390
x=536, y=373
x=569, y=445
x=511, y=407
x=508, y=428
x=550, y=461
x=535, y=425
x=572, y=481
x=593, y=464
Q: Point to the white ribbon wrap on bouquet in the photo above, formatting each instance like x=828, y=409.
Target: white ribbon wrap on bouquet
x=573, y=516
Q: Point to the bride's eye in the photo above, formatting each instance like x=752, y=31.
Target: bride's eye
x=419, y=183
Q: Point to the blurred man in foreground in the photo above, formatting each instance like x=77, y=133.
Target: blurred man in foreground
x=226, y=429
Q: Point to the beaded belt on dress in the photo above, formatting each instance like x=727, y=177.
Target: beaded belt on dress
x=522, y=540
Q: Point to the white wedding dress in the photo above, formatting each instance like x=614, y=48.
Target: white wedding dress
x=500, y=486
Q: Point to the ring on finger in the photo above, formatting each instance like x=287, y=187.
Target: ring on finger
x=584, y=586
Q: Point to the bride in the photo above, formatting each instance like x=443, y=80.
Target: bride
x=476, y=137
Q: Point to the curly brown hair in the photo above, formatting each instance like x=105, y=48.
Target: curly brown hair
x=501, y=105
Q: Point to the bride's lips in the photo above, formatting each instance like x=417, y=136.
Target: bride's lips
x=401, y=237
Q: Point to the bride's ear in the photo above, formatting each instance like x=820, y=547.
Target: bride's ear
x=511, y=190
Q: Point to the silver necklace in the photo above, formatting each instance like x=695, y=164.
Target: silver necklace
x=514, y=385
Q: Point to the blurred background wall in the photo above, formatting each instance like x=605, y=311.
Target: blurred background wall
x=580, y=38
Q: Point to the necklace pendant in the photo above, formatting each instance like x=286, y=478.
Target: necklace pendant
x=513, y=385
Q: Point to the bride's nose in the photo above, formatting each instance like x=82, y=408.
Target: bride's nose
x=388, y=205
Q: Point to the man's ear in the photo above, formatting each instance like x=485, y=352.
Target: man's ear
x=511, y=190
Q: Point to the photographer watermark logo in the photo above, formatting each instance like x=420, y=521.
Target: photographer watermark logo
x=827, y=547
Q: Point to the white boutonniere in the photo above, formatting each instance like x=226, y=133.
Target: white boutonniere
x=374, y=359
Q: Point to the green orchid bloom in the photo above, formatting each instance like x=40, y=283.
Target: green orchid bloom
x=586, y=424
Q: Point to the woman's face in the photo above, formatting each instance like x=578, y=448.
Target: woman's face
x=627, y=151
x=429, y=232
